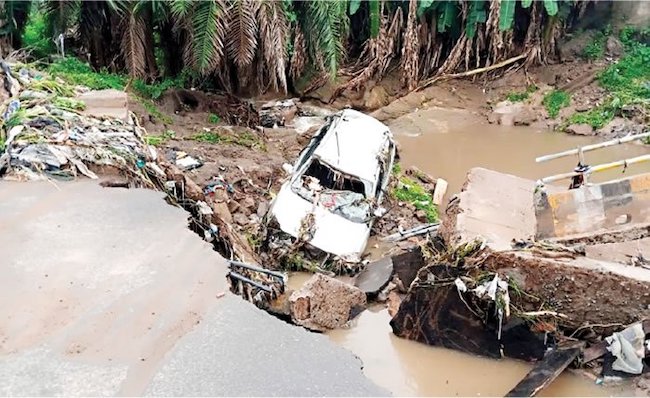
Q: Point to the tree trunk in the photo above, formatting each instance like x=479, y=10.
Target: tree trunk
x=149, y=46
x=171, y=45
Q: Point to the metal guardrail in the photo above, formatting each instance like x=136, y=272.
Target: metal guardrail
x=585, y=171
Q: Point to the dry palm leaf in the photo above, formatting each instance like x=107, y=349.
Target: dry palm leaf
x=241, y=40
x=133, y=45
x=273, y=37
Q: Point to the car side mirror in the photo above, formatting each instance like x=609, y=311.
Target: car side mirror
x=287, y=168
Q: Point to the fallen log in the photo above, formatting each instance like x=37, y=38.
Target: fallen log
x=547, y=370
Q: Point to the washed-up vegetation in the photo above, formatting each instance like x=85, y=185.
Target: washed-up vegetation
x=160, y=139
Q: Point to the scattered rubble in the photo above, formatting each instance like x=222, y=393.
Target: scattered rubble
x=375, y=276
x=325, y=303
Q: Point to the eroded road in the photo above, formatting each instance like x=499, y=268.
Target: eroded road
x=106, y=292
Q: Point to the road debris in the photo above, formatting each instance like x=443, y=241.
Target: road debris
x=375, y=276
x=325, y=303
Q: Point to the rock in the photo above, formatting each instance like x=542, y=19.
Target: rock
x=106, y=103
x=325, y=303
x=234, y=207
x=248, y=203
x=240, y=218
x=375, y=276
x=583, y=107
x=262, y=208
x=406, y=266
x=507, y=113
x=221, y=210
x=375, y=98
x=394, y=301
x=548, y=76
x=440, y=191
x=614, y=47
x=277, y=113
x=421, y=216
x=413, y=171
x=580, y=129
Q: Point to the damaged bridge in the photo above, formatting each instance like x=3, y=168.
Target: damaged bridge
x=530, y=268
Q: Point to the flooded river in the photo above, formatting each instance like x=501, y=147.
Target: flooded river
x=447, y=143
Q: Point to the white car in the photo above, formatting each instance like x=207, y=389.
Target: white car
x=336, y=185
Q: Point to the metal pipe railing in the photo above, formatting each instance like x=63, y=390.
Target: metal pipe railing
x=242, y=278
x=592, y=147
x=257, y=269
x=598, y=168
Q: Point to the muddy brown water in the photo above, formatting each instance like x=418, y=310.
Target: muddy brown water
x=447, y=143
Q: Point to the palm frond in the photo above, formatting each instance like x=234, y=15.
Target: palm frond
x=208, y=27
x=241, y=41
x=273, y=29
x=133, y=44
x=181, y=8
x=60, y=14
x=325, y=27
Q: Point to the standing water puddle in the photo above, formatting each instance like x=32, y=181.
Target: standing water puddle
x=447, y=143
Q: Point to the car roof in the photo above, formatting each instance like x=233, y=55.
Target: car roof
x=353, y=144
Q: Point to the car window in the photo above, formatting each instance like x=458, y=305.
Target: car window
x=332, y=179
x=313, y=144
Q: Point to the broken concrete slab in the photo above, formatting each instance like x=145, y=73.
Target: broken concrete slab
x=491, y=205
x=325, y=303
x=407, y=265
x=440, y=316
x=375, y=276
x=106, y=103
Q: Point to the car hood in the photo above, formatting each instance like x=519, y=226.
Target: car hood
x=333, y=233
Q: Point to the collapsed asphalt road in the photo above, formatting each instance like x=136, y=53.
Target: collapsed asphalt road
x=106, y=292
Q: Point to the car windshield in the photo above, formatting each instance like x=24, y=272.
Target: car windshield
x=339, y=193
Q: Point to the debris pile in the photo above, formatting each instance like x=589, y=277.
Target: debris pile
x=48, y=137
x=498, y=292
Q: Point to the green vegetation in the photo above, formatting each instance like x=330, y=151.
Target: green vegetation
x=157, y=140
x=411, y=192
x=519, y=96
x=153, y=110
x=69, y=104
x=74, y=71
x=213, y=119
x=246, y=139
x=36, y=37
x=554, y=101
x=397, y=169
x=272, y=45
x=627, y=82
x=596, y=48
x=155, y=90
x=53, y=86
